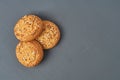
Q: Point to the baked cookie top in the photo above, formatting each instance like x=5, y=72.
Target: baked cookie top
x=50, y=35
x=30, y=53
x=28, y=28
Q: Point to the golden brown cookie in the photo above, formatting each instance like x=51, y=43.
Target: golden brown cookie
x=29, y=53
x=50, y=35
x=28, y=28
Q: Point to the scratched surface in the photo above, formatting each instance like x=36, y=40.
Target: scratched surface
x=89, y=48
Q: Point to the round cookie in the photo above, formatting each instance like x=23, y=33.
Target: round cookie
x=50, y=35
x=28, y=28
x=30, y=53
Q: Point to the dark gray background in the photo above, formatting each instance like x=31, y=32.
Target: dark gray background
x=89, y=48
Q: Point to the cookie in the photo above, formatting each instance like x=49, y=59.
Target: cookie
x=29, y=53
x=50, y=35
x=28, y=28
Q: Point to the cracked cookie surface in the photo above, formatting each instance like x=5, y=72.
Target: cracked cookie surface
x=28, y=28
x=50, y=35
x=29, y=53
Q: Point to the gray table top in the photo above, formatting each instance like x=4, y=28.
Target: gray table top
x=89, y=48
